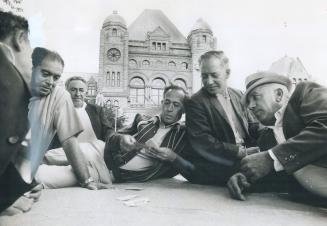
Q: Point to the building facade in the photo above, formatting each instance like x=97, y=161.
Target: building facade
x=137, y=62
x=292, y=68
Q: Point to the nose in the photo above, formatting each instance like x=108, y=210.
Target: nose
x=209, y=80
x=50, y=80
x=170, y=107
x=78, y=92
x=251, y=105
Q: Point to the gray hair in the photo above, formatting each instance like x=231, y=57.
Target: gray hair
x=217, y=54
x=73, y=78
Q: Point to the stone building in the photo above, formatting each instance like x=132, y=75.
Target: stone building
x=292, y=68
x=137, y=62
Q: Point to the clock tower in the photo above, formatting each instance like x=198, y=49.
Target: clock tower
x=113, y=59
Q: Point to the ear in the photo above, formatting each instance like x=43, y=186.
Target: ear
x=18, y=40
x=279, y=93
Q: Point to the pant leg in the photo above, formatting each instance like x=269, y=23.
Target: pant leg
x=313, y=178
x=53, y=177
x=56, y=157
x=12, y=186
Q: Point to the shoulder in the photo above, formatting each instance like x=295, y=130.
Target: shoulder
x=235, y=92
x=304, y=89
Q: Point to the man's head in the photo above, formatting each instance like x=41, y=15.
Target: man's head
x=14, y=33
x=47, y=69
x=215, y=71
x=76, y=86
x=266, y=93
x=172, y=105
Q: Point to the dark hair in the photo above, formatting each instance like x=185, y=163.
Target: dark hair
x=40, y=53
x=9, y=23
x=217, y=54
x=80, y=78
x=178, y=88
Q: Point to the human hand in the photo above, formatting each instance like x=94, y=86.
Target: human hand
x=34, y=193
x=247, y=151
x=257, y=165
x=162, y=153
x=127, y=143
x=236, y=185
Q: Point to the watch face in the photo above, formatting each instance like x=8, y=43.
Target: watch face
x=113, y=54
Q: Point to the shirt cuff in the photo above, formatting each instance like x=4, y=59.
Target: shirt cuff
x=277, y=165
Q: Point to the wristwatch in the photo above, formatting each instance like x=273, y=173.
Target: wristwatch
x=87, y=182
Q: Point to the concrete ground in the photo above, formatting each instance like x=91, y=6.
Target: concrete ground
x=171, y=202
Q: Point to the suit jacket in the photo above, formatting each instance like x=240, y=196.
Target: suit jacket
x=304, y=127
x=114, y=158
x=14, y=101
x=101, y=125
x=210, y=133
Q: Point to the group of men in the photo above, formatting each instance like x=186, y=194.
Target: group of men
x=272, y=138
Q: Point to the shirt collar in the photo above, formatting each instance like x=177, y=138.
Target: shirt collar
x=225, y=94
x=81, y=108
x=8, y=52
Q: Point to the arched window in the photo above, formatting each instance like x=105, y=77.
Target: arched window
x=92, y=89
x=204, y=38
x=146, y=63
x=184, y=66
x=116, y=103
x=300, y=79
x=157, y=89
x=172, y=65
x=114, y=32
x=118, y=79
x=132, y=63
x=137, y=92
x=181, y=83
x=108, y=78
x=113, y=79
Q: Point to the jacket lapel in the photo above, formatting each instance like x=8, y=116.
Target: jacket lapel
x=216, y=105
x=238, y=110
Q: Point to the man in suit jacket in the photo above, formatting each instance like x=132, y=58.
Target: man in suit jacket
x=15, y=71
x=217, y=123
x=295, y=138
x=101, y=125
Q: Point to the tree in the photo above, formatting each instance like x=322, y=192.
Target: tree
x=14, y=6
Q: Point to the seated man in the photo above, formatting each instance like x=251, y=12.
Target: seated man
x=15, y=73
x=151, y=148
x=51, y=111
x=219, y=128
x=295, y=139
x=91, y=140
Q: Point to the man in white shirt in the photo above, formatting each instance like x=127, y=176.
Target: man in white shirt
x=294, y=141
x=56, y=172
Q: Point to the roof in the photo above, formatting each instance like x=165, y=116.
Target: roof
x=200, y=24
x=290, y=67
x=114, y=19
x=150, y=20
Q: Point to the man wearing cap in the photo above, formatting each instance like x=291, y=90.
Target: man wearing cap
x=217, y=123
x=294, y=141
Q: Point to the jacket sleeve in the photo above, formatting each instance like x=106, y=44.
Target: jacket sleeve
x=310, y=143
x=201, y=137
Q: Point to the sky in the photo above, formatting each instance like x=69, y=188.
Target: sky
x=252, y=33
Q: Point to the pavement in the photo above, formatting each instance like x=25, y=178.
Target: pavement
x=168, y=202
